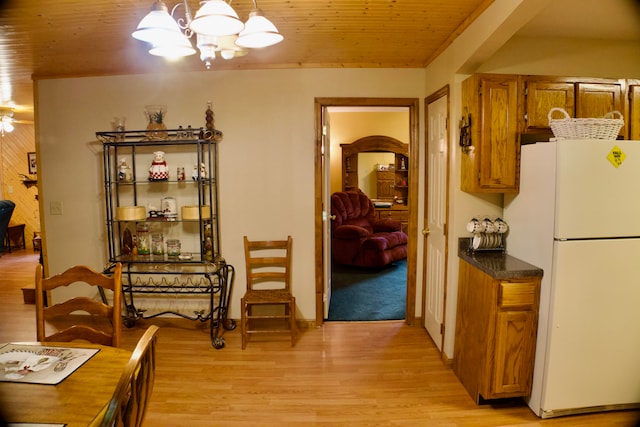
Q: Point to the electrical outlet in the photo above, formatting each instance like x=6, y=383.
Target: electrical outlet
x=55, y=208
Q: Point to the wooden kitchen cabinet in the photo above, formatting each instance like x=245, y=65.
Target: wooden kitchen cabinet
x=543, y=95
x=634, y=111
x=495, y=337
x=491, y=163
x=579, y=97
x=598, y=99
x=502, y=109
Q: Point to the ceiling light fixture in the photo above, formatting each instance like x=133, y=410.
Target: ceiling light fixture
x=217, y=28
x=6, y=120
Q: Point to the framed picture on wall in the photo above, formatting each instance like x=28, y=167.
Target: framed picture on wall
x=33, y=165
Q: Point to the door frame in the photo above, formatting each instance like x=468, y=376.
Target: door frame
x=320, y=106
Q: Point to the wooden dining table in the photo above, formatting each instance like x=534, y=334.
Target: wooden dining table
x=75, y=401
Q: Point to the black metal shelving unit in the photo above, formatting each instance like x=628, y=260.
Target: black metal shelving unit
x=197, y=272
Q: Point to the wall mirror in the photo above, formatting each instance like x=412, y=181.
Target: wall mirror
x=378, y=166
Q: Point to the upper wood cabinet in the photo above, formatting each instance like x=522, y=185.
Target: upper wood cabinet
x=540, y=97
x=579, y=97
x=634, y=111
x=598, y=99
x=491, y=103
x=501, y=110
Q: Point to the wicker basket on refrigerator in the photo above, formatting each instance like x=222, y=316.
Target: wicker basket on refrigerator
x=567, y=127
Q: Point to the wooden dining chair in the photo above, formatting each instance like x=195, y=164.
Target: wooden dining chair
x=268, y=268
x=130, y=400
x=80, y=318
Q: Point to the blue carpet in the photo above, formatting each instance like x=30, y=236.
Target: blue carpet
x=366, y=295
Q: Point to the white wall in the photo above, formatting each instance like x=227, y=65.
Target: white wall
x=566, y=57
x=266, y=157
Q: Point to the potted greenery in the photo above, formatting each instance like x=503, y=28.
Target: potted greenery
x=156, y=128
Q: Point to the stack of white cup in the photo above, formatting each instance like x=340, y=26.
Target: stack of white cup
x=487, y=233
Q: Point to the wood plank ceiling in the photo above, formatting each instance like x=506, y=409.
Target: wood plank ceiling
x=66, y=38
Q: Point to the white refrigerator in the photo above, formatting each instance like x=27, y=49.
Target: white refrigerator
x=577, y=216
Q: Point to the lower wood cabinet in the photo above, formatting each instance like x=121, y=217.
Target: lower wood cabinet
x=495, y=337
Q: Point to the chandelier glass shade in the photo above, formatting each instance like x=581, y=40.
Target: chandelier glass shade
x=216, y=18
x=217, y=28
x=258, y=32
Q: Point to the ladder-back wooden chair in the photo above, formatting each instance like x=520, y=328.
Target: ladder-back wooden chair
x=268, y=268
x=130, y=400
x=80, y=318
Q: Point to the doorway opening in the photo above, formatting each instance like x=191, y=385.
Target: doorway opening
x=365, y=284
x=323, y=188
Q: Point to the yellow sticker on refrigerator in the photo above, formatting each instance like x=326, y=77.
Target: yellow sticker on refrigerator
x=616, y=156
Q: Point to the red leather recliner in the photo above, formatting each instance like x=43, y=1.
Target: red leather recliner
x=358, y=238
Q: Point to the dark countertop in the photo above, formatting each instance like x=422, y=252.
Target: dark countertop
x=497, y=264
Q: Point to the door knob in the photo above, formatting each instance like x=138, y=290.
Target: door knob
x=426, y=232
x=332, y=217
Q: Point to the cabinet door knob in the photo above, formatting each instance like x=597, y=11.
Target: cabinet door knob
x=332, y=217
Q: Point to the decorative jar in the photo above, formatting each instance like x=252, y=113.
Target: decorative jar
x=173, y=248
x=143, y=243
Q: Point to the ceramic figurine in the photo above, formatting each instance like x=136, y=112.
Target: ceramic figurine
x=202, y=172
x=124, y=171
x=158, y=170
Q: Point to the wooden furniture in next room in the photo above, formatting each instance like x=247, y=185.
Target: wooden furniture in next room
x=15, y=237
x=392, y=184
x=395, y=212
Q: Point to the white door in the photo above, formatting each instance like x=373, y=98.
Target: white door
x=435, y=261
x=326, y=212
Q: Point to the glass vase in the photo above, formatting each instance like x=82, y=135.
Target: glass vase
x=156, y=127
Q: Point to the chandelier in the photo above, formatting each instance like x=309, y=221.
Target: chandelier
x=6, y=119
x=216, y=26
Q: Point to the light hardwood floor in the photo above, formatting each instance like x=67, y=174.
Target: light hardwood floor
x=343, y=374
